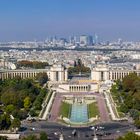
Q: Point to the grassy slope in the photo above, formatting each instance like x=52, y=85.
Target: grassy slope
x=65, y=109
x=93, y=110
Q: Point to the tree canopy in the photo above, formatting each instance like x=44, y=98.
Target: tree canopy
x=42, y=136
x=127, y=93
x=18, y=97
x=129, y=136
x=3, y=138
x=32, y=64
x=42, y=78
x=78, y=68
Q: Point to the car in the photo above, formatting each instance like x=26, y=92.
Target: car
x=101, y=127
x=108, y=133
x=33, y=129
x=86, y=135
x=118, y=131
x=21, y=129
x=99, y=134
x=92, y=127
x=55, y=133
x=96, y=128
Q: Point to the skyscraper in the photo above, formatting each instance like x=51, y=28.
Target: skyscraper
x=83, y=40
x=90, y=41
x=96, y=39
x=86, y=40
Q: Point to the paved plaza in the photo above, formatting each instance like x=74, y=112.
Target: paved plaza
x=104, y=114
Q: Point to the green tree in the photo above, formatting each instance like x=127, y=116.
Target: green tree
x=27, y=103
x=9, y=108
x=32, y=64
x=114, y=89
x=137, y=123
x=18, y=96
x=3, y=138
x=42, y=78
x=134, y=114
x=128, y=91
x=124, y=108
x=129, y=82
x=9, y=97
x=128, y=101
x=4, y=121
x=78, y=67
x=15, y=123
x=43, y=136
x=33, y=113
x=137, y=84
x=30, y=137
x=20, y=114
x=129, y=136
x=119, y=84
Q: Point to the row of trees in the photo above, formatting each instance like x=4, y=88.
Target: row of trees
x=127, y=93
x=32, y=64
x=42, y=136
x=3, y=138
x=129, y=136
x=37, y=105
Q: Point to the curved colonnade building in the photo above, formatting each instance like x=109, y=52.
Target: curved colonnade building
x=115, y=72
x=55, y=73
x=59, y=73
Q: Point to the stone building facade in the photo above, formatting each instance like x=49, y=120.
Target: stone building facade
x=106, y=72
x=55, y=73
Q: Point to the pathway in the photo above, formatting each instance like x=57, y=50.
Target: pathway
x=104, y=114
x=54, y=113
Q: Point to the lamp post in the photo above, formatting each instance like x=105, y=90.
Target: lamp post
x=94, y=137
x=61, y=135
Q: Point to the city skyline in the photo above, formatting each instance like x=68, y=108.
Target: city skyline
x=29, y=20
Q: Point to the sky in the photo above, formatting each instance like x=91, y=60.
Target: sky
x=22, y=20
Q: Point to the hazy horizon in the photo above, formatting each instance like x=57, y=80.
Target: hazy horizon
x=37, y=19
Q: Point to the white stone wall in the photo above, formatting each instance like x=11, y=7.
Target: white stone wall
x=78, y=88
x=94, y=87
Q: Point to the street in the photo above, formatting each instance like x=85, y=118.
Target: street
x=53, y=130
